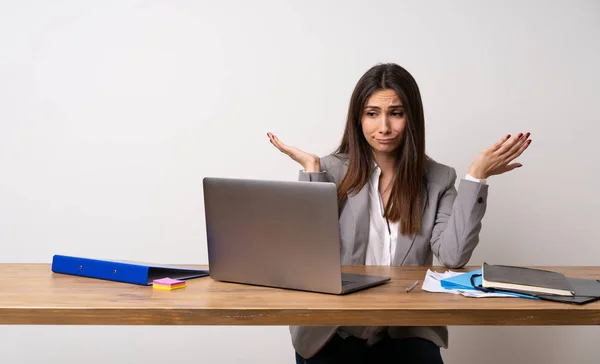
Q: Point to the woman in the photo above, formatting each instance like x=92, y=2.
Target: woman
x=397, y=207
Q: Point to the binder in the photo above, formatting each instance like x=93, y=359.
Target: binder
x=121, y=271
x=586, y=290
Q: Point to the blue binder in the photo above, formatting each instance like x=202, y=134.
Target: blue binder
x=120, y=271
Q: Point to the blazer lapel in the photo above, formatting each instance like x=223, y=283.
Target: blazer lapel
x=405, y=242
x=359, y=206
x=354, y=221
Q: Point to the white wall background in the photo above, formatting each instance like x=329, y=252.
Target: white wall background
x=112, y=112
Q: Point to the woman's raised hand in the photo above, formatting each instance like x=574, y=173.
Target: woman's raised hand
x=497, y=158
x=310, y=162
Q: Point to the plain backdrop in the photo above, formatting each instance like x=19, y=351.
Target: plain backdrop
x=112, y=112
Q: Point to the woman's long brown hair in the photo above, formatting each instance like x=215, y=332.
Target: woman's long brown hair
x=405, y=199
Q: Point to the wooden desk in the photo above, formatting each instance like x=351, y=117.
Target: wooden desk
x=32, y=294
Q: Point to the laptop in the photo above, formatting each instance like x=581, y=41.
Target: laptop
x=280, y=234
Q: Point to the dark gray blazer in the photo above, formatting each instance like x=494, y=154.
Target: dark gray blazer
x=451, y=223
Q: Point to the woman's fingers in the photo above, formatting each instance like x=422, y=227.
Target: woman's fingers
x=512, y=145
x=310, y=162
x=499, y=143
x=508, y=145
x=512, y=166
x=518, y=151
x=292, y=152
x=278, y=144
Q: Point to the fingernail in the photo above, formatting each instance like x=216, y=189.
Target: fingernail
x=520, y=135
x=508, y=136
x=529, y=141
x=528, y=134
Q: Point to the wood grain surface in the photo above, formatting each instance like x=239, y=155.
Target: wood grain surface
x=33, y=294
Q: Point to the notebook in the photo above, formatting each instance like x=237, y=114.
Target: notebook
x=471, y=281
x=525, y=280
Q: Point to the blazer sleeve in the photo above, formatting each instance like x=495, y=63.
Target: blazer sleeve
x=458, y=221
x=323, y=176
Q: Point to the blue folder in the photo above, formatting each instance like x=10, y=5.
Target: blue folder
x=120, y=271
x=463, y=281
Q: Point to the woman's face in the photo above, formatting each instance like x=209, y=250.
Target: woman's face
x=383, y=121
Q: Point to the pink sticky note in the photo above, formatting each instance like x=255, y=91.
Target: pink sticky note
x=167, y=281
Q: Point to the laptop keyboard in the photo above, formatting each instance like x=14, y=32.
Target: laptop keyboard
x=350, y=278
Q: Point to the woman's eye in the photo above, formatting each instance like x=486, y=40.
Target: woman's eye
x=371, y=113
x=398, y=114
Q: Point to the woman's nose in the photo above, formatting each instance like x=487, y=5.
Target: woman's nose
x=384, y=125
